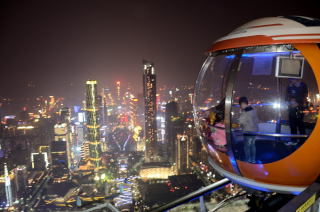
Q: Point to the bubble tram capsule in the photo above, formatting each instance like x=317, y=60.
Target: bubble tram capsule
x=257, y=103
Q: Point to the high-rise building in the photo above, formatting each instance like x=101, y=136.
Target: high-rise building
x=103, y=108
x=100, y=105
x=59, y=159
x=8, y=186
x=65, y=114
x=149, y=91
x=39, y=161
x=78, y=134
x=118, y=87
x=108, y=97
x=93, y=127
x=174, y=126
x=182, y=154
x=161, y=130
x=20, y=180
x=62, y=133
x=133, y=109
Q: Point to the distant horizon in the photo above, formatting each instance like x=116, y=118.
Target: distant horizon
x=78, y=100
x=57, y=45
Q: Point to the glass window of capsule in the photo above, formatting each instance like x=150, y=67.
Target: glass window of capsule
x=256, y=104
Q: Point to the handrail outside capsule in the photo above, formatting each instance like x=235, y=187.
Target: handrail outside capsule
x=192, y=195
x=281, y=135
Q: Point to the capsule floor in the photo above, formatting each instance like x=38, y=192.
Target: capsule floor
x=268, y=151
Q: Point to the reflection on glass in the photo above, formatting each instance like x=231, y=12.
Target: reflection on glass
x=210, y=96
x=283, y=103
x=275, y=101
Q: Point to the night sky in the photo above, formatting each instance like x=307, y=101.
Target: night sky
x=57, y=45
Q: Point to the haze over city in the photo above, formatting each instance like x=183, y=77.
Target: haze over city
x=138, y=106
x=57, y=45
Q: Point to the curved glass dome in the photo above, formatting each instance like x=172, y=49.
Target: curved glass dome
x=279, y=100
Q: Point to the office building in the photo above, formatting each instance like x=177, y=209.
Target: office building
x=39, y=161
x=182, y=154
x=62, y=132
x=20, y=180
x=174, y=126
x=149, y=91
x=59, y=159
x=8, y=186
x=93, y=127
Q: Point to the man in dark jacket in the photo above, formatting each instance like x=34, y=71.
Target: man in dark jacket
x=297, y=94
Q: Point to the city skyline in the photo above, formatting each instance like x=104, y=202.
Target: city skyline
x=112, y=106
x=70, y=42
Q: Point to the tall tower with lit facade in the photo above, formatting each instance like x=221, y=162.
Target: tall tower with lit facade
x=118, y=87
x=149, y=92
x=8, y=186
x=62, y=133
x=182, y=154
x=93, y=127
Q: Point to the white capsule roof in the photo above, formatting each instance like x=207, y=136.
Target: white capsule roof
x=271, y=30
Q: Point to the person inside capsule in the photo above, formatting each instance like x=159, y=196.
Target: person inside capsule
x=279, y=85
x=215, y=127
x=297, y=94
x=248, y=121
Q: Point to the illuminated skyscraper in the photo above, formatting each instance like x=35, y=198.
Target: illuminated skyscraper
x=118, y=86
x=109, y=98
x=20, y=180
x=79, y=130
x=174, y=126
x=133, y=108
x=59, y=159
x=182, y=154
x=93, y=127
x=149, y=92
x=8, y=186
x=62, y=132
x=60, y=147
x=103, y=108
